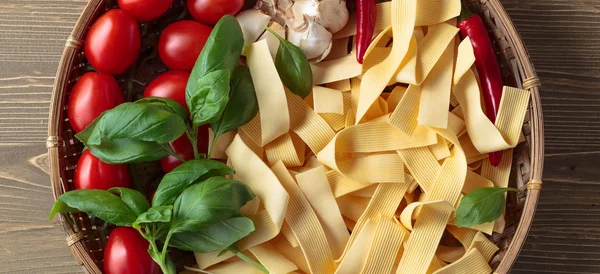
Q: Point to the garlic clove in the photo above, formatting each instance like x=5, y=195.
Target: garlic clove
x=326, y=53
x=272, y=41
x=314, y=41
x=331, y=14
x=253, y=23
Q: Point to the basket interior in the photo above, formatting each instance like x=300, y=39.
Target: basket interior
x=148, y=174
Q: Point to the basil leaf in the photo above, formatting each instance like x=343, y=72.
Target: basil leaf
x=481, y=205
x=90, y=135
x=166, y=104
x=188, y=173
x=99, y=203
x=140, y=122
x=156, y=214
x=215, y=237
x=205, y=204
x=123, y=151
x=222, y=50
x=242, y=106
x=293, y=67
x=210, y=97
x=60, y=207
x=133, y=199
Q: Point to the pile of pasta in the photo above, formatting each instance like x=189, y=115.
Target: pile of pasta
x=364, y=174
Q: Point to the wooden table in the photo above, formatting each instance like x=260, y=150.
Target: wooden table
x=563, y=38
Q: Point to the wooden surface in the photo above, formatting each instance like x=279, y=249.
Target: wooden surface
x=563, y=38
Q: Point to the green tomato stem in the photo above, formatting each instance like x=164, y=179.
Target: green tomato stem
x=233, y=249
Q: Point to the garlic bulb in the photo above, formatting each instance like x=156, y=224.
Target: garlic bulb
x=331, y=14
x=253, y=23
x=315, y=41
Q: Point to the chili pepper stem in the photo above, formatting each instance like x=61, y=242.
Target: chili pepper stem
x=465, y=12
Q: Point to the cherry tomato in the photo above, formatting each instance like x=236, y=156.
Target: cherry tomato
x=113, y=42
x=170, y=84
x=210, y=11
x=183, y=147
x=145, y=10
x=93, y=94
x=180, y=44
x=91, y=173
x=126, y=252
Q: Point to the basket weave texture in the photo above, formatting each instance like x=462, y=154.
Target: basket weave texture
x=87, y=237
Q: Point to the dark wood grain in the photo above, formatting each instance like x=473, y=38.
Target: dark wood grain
x=562, y=36
x=563, y=39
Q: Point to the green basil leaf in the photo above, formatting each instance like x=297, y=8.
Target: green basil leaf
x=215, y=237
x=242, y=106
x=141, y=122
x=60, y=207
x=481, y=205
x=210, y=202
x=90, y=135
x=210, y=97
x=135, y=200
x=223, y=252
x=123, y=151
x=156, y=214
x=293, y=67
x=188, y=173
x=166, y=104
x=222, y=50
x=99, y=203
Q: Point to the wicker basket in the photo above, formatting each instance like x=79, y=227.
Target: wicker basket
x=87, y=237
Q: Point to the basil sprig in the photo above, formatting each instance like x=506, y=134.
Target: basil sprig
x=293, y=67
x=134, y=132
x=481, y=205
x=195, y=207
x=204, y=217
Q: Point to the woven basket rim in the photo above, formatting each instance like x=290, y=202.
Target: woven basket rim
x=531, y=83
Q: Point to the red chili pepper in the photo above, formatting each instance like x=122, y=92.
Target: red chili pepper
x=366, y=13
x=490, y=77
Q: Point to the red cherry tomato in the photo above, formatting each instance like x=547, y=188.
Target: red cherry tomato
x=126, y=252
x=183, y=147
x=113, y=42
x=93, y=94
x=145, y=10
x=180, y=44
x=170, y=84
x=210, y=11
x=91, y=173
